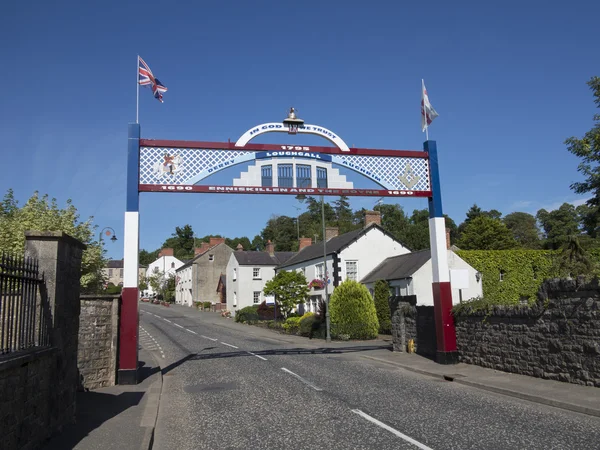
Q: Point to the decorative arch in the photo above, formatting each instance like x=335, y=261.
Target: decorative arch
x=275, y=127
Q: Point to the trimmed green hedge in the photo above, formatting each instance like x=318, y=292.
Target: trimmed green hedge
x=352, y=311
x=248, y=314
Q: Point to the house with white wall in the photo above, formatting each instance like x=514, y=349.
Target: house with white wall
x=412, y=274
x=348, y=256
x=164, y=267
x=247, y=274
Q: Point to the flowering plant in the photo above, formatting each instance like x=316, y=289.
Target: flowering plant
x=316, y=284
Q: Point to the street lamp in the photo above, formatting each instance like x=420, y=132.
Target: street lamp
x=108, y=233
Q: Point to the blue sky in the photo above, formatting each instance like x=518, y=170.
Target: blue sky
x=508, y=80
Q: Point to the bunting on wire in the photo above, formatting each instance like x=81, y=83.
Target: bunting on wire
x=147, y=78
x=428, y=113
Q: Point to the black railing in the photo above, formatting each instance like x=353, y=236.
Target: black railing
x=24, y=311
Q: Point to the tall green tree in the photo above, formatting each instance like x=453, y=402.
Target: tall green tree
x=394, y=221
x=182, y=242
x=558, y=225
x=524, y=229
x=147, y=257
x=485, y=233
x=589, y=220
x=281, y=230
x=343, y=215
x=381, y=295
x=233, y=243
x=42, y=214
x=587, y=149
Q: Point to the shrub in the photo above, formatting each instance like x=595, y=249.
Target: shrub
x=206, y=305
x=198, y=305
x=310, y=326
x=248, y=314
x=292, y=325
x=352, y=311
x=382, y=306
x=267, y=312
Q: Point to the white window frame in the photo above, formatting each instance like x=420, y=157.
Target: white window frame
x=256, y=273
x=234, y=274
x=349, y=262
x=320, y=271
x=256, y=301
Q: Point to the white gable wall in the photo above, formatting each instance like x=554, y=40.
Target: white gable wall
x=166, y=265
x=240, y=292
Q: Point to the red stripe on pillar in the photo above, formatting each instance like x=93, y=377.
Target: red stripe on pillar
x=444, y=322
x=128, y=338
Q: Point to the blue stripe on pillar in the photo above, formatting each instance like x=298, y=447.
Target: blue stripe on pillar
x=133, y=159
x=435, y=201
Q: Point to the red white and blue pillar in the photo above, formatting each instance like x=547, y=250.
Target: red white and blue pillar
x=442, y=291
x=128, y=336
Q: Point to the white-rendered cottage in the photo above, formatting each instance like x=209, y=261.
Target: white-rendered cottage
x=247, y=274
x=350, y=256
x=165, y=267
x=411, y=274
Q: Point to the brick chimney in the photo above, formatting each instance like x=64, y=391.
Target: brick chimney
x=270, y=248
x=331, y=232
x=216, y=241
x=240, y=248
x=448, y=244
x=203, y=247
x=304, y=242
x=165, y=252
x=372, y=218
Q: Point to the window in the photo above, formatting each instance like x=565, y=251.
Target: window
x=256, y=299
x=502, y=274
x=256, y=273
x=155, y=270
x=352, y=270
x=319, y=272
x=211, y=257
x=121, y=273
x=172, y=265
x=303, y=176
x=267, y=175
x=285, y=175
x=234, y=274
x=110, y=272
x=235, y=299
x=321, y=177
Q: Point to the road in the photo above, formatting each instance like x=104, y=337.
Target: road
x=231, y=386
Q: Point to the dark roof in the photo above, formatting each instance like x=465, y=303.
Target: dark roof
x=333, y=245
x=398, y=267
x=247, y=258
x=118, y=264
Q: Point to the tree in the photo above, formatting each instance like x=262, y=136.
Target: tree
x=474, y=212
x=573, y=260
x=40, y=214
x=588, y=149
x=524, y=229
x=417, y=232
x=281, y=230
x=343, y=214
x=394, y=221
x=257, y=244
x=147, y=257
x=182, y=242
x=289, y=288
x=589, y=220
x=558, y=224
x=143, y=284
x=381, y=295
x=486, y=233
x=233, y=243
x=352, y=311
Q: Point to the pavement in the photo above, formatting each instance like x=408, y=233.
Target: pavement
x=126, y=416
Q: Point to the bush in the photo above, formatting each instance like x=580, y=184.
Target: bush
x=352, y=311
x=248, y=314
x=310, y=323
x=267, y=312
x=292, y=325
x=382, y=306
x=206, y=305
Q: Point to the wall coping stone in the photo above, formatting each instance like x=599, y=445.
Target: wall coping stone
x=106, y=297
x=18, y=359
x=53, y=236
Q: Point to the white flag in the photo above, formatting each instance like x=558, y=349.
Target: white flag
x=427, y=111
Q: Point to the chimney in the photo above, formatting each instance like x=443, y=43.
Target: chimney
x=372, y=218
x=448, y=245
x=240, y=248
x=331, y=232
x=165, y=252
x=270, y=248
x=304, y=242
x=197, y=251
x=216, y=241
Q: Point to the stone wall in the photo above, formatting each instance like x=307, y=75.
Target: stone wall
x=38, y=386
x=558, y=338
x=98, y=340
x=412, y=322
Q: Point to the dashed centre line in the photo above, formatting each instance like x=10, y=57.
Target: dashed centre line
x=308, y=383
x=167, y=320
x=177, y=325
x=191, y=331
x=206, y=337
x=258, y=356
x=228, y=345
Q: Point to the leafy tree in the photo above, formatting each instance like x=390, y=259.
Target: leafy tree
x=381, y=296
x=474, y=212
x=343, y=214
x=111, y=289
x=257, y=244
x=394, y=221
x=417, y=233
x=524, y=229
x=558, y=224
x=182, y=242
x=485, y=233
x=147, y=257
x=289, y=289
x=233, y=243
x=40, y=214
x=282, y=231
x=352, y=311
x=589, y=220
x=588, y=149
x=573, y=260
x=155, y=280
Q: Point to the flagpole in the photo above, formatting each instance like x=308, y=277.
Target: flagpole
x=137, y=100
x=424, y=112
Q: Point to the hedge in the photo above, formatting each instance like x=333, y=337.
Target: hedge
x=352, y=311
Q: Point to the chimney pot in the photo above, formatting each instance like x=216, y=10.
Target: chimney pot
x=270, y=248
x=239, y=247
x=331, y=232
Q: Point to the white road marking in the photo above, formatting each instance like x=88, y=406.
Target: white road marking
x=258, y=356
x=206, y=337
x=229, y=345
x=390, y=429
x=154, y=340
x=191, y=331
x=167, y=320
x=308, y=383
x=178, y=326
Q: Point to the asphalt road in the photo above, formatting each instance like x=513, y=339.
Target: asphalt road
x=230, y=386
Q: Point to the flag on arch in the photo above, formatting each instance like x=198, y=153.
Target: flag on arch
x=428, y=113
x=147, y=78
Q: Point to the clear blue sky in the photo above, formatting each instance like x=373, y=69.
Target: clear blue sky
x=507, y=79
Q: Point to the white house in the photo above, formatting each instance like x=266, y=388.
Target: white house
x=411, y=274
x=349, y=256
x=247, y=274
x=165, y=266
x=183, y=286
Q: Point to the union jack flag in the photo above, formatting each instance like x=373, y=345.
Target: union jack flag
x=147, y=78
